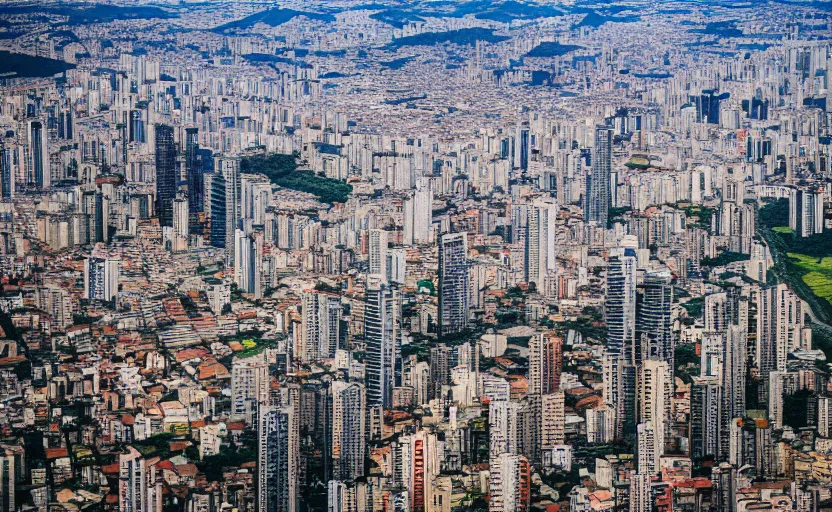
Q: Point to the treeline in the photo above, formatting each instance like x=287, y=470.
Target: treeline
x=283, y=170
x=776, y=214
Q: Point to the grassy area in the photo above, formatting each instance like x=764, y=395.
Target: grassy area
x=253, y=348
x=819, y=273
x=785, y=230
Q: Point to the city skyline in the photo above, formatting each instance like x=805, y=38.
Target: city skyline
x=415, y=256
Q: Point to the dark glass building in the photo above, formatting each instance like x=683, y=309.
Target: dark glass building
x=165, y=174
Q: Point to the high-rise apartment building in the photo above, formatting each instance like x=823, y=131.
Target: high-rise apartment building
x=453, y=283
x=377, y=245
x=382, y=318
x=510, y=483
x=277, y=472
x=552, y=420
x=248, y=262
x=101, y=278
x=503, y=424
x=654, y=327
x=825, y=416
x=9, y=476
x=621, y=304
x=641, y=497
x=598, y=184
x=320, y=326
x=139, y=489
x=705, y=407
x=349, y=430
x=806, y=211
x=654, y=399
x=545, y=363
x=420, y=460
x=539, y=256
x=417, y=213
x=249, y=386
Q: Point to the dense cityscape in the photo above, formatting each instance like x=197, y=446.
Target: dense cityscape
x=415, y=255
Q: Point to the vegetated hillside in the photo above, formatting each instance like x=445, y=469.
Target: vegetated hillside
x=283, y=170
x=461, y=37
x=271, y=17
x=552, y=49
x=29, y=66
x=83, y=14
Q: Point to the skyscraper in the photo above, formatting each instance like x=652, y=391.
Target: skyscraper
x=255, y=197
x=621, y=321
x=598, y=184
x=40, y=172
x=277, y=477
x=654, y=394
x=600, y=424
x=510, y=483
x=790, y=319
x=137, y=132
x=646, y=444
x=320, y=325
x=248, y=262
x=654, y=329
x=780, y=385
x=540, y=242
x=806, y=212
x=397, y=265
x=225, y=203
x=420, y=458
x=349, y=430
x=417, y=213
x=7, y=181
x=705, y=407
x=453, y=283
x=440, y=368
x=382, y=332
x=641, y=498
x=552, y=420
x=138, y=487
x=825, y=416
x=502, y=421
x=181, y=221
x=545, y=362
x=621, y=304
x=249, y=386
x=193, y=172
x=165, y=174
x=9, y=475
x=377, y=244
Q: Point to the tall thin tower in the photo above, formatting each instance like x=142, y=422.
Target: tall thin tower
x=598, y=186
x=165, y=174
x=453, y=283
